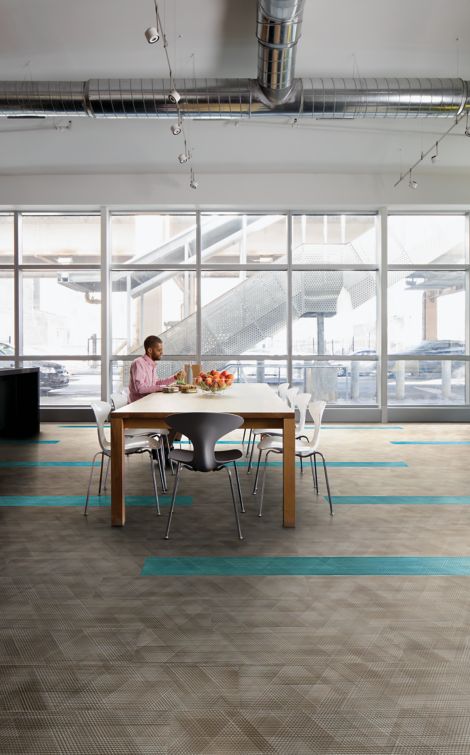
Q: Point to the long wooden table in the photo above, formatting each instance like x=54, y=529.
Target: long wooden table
x=256, y=403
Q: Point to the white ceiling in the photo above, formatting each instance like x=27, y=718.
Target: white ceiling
x=60, y=39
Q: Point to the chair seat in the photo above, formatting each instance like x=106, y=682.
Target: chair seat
x=146, y=431
x=223, y=457
x=136, y=444
x=232, y=454
x=301, y=449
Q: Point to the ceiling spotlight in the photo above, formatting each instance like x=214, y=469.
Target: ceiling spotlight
x=174, y=96
x=193, y=183
x=183, y=158
x=412, y=183
x=152, y=35
x=467, y=131
x=176, y=128
x=435, y=156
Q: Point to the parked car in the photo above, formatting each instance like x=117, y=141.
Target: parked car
x=51, y=374
x=426, y=367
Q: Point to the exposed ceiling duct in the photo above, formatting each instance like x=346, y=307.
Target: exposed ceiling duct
x=276, y=93
x=278, y=31
x=235, y=98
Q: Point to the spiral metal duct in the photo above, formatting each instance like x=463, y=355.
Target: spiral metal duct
x=236, y=98
x=276, y=93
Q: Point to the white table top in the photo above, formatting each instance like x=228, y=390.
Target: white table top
x=245, y=399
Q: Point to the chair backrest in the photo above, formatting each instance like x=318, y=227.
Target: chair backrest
x=290, y=396
x=101, y=410
x=203, y=430
x=302, y=401
x=316, y=409
x=282, y=390
x=119, y=399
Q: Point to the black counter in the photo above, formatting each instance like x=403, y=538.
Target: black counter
x=19, y=402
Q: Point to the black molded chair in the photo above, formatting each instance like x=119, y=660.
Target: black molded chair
x=203, y=430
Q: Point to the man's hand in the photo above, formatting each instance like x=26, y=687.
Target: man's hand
x=180, y=376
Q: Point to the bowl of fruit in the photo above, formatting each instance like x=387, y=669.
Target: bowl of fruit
x=214, y=382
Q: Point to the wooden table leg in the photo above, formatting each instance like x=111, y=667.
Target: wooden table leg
x=288, y=469
x=118, y=504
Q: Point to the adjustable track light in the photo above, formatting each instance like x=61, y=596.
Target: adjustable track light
x=193, y=183
x=435, y=156
x=176, y=128
x=174, y=96
x=152, y=35
x=183, y=157
x=412, y=183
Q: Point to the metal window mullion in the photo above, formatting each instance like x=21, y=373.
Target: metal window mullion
x=289, y=298
x=198, y=288
x=105, y=306
x=467, y=308
x=430, y=266
x=62, y=268
x=18, y=285
x=382, y=315
x=64, y=357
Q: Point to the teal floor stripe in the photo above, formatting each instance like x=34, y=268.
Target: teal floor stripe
x=358, y=427
x=16, y=464
x=26, y=441
x=95, y=500
x=307, y=566
x=333, y=464
x=82, y=427
x=403, y=500
x=430, y=442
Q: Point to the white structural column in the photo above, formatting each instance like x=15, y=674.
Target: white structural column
x=382, y=315
x=106, y=365
x=18, y=286
x=289, y=298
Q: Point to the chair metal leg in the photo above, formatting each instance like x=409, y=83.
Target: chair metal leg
x=237, y=478
x=173, y=499
x=316, y=472
x=168, y=449
x=255, y=486
x=154, y=480
x=301, y=465
x=251, y=454
x=159, y=458
x=313, y=474
x=243, y=438
x=247, y=450
x=235, y=505
x=98, y=453
x=326, y=480
x=108, y=463
x=101, y=474
x=260, y=509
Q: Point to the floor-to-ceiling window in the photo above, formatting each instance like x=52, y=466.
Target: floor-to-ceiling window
x=427, y=283
x=59, y=304
x=153, y=289
x=327, y=301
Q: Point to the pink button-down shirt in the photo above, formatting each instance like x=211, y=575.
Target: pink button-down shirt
x=143, y=378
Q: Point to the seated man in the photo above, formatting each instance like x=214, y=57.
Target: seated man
x=143, y=375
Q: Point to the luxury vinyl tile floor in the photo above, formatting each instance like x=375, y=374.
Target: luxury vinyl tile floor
x=97, y=659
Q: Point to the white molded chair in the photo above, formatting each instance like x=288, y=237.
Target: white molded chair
x=288, y=395
x=302, y=451
x=120, y=399
x=137, y=445
x=301, y=402
x=282, y=389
